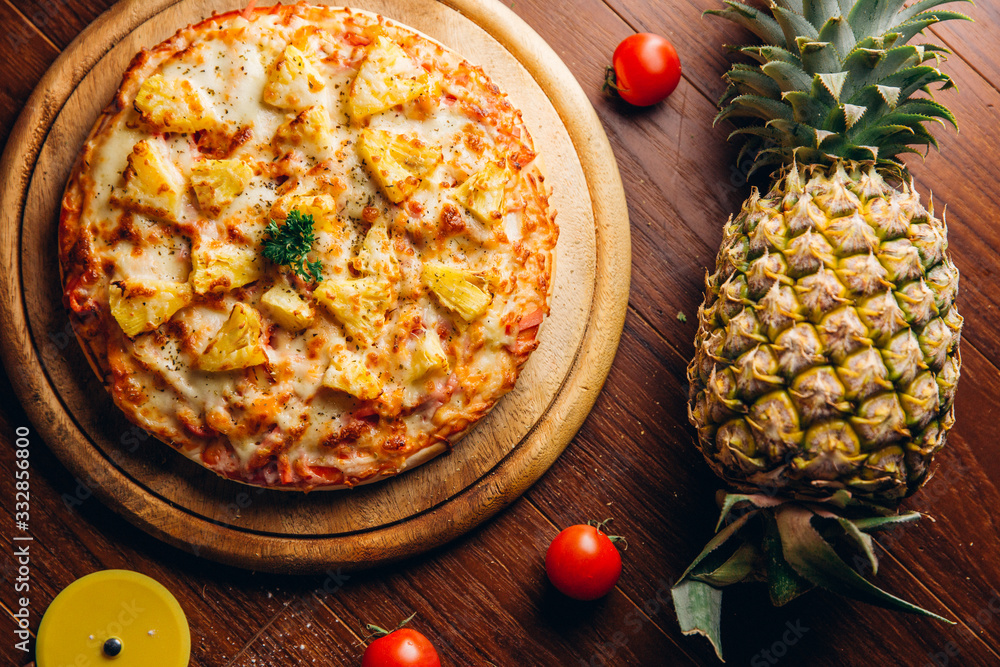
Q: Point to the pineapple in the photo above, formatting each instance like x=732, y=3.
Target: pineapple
x=827, y=348
x=428, y=356
x=348, y=373
x=143, y=305
x=287, y=308
x=217, y=183
x=311, y=38
x=377, y=256
x=309, y=131
x=172, y=105
x=360, y=304
x=397, y=162
x=316, y=193
x=293, y=80
x=220, y=267
x=238, y=344
x=483, y=193
x=457, y=289
x=153, y=185
x=322, y=207
x=387, y=77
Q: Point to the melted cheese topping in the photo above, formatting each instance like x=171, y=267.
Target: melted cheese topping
x=431, y=223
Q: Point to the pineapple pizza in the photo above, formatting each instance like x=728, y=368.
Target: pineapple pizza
x=306, y=246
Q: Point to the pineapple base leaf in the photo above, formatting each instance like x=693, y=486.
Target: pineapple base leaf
x=783, y=583
x=699, y=611
x=794, y=547
x=729, y=500
x=815, y=559
x=877, y=522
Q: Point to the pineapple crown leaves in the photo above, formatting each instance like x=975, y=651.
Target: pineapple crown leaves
x=793, y=547
x=836, y=80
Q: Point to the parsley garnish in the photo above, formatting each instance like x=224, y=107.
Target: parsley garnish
x=291, y=242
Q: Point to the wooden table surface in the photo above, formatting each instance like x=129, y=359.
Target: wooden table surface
x=484, y=599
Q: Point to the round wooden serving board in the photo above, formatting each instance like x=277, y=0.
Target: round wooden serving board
x=179, y=502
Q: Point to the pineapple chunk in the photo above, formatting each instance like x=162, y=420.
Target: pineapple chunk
x=143, y=305
x=287, y=308
x=217, y=183
x=322, y=208
x=219, y=267
x=316, y=193
x=349, y=374
x=359, y=304
x=377, y=256
x=309, y=131
x=428, y=356
x=483, y=193
x=153, y=185
x=396, y=161
x=387, y=77
x=311, y=38
x=293, y=80
x=457, y=289
x=172, y=105
x=238, y=344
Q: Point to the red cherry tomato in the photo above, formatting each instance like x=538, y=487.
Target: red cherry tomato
x=583, y=563
x=646, y=69
x=401, y=648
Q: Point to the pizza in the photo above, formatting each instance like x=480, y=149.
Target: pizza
x=306, y=246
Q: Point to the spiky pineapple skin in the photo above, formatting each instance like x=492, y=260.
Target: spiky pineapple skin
x=827, y=353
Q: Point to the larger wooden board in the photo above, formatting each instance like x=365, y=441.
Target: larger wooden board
x=181, y=503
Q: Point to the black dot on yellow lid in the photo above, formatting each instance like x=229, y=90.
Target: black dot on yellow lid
x=112, y=647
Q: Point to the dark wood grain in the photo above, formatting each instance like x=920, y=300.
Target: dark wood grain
x=62, y=20
x=26, y=53
x=483, y=599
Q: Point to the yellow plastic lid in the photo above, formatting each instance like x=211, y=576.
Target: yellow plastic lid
x=81, y=625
